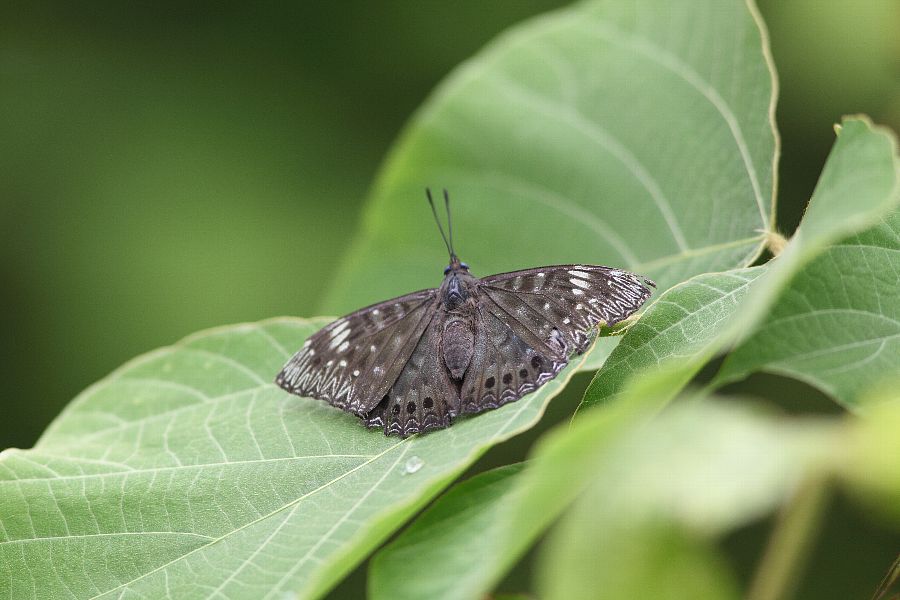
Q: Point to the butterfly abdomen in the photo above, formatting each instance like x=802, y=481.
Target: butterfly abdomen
x=458, y=344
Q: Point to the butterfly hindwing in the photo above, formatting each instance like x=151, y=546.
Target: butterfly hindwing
x=424, y=397
x=504, y=366
x=353, y=362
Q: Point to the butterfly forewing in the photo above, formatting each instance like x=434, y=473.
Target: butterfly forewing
x=354, y=361
x=530, y=322
x=572, y=299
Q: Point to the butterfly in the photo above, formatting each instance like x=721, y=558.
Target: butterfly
x=414, y=363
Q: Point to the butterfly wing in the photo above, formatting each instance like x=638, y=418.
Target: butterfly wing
x=530, y=322
x=573, y=299
x=423, y=397
x=505, y=366
x=354, y=361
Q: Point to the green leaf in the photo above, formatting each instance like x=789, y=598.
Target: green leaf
x=837, y=325
x=872, y=465
x=690, y=323
x=187, y=472
x=664, y=491
x=638, y=135
x=683, y=328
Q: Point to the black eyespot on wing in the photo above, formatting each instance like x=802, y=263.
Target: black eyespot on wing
x=507, y=379
x=523, y=373
x=536, y=361
x=489, y=382
x=423, y=398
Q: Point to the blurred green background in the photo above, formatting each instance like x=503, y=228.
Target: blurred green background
x=169, y=168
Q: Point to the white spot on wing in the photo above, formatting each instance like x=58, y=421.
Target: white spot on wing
x=339, y=339
x=580, y=283
x=339, y=328
x=582, y=274
x=372, y=348
x=577, y=292
x=343, y=346
x=356, y=373
x=343, y=363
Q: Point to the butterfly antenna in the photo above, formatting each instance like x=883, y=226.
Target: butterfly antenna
x=438, y=221
x=449, y=222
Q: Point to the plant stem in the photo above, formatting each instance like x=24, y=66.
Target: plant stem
x=775, y=242
x=783, y=560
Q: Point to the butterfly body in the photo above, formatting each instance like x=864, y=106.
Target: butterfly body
x=457, y=293
x=415, y=363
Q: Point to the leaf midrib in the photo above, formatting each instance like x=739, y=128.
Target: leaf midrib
x=131, y=472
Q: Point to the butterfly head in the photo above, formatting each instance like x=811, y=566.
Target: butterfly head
x=455, y=265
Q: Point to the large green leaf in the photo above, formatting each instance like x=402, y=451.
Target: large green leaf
x=689, y=323
x=837, y=325
x=635, y=134
x=187, y=473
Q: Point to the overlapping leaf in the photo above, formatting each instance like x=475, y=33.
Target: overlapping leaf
x=667, y=488
x=688, y=324
x=837, y=325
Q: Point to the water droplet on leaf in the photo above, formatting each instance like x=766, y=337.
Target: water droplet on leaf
x=414, y=464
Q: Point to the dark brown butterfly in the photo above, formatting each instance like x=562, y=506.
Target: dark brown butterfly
x=412, y=364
